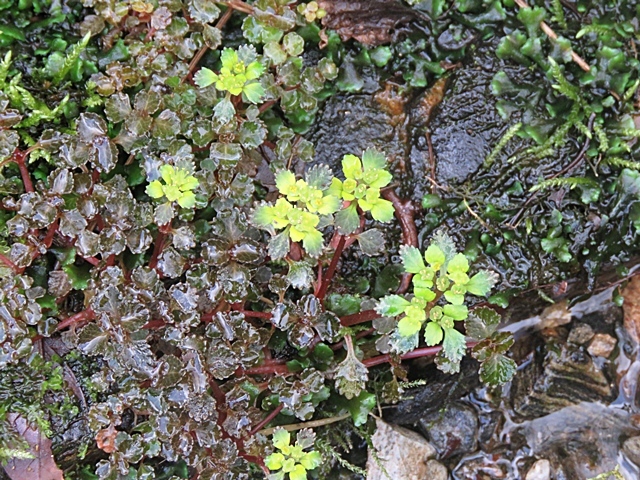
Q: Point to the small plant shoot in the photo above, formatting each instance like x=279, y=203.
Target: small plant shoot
x=292, y=461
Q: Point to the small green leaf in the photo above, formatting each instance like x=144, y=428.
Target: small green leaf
x=154, y=189
x=497, y=369
x=457, y=312
x=224, y=110
x=392, y=305
x=482, y=283
x=382, y=211
x=458, y=264
x=348, y=220
x=433, y=334
x=253, y=92
x=453, y=345
x=411, y=259
x=274, y=461
x=371, y=242
x=279, y=246
x=482, y=323
x=313, y=243
x=205, y=77
x=434, y=256
x=409, y=326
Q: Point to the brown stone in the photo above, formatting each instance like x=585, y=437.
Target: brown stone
x=602, y=345
x=403, y=453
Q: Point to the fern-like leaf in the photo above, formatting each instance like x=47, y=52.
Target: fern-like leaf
x=510, y=133
x=71, y=58
x=571, y=182
x=621, y=163
x=4, y=70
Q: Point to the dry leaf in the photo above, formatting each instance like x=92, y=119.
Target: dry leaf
x=42, y=466
x=106, y=439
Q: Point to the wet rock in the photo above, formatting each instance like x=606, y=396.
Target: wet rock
x=541, y=470
x=602, y=345
x=580, y=334
x=467, y=124
x=403, y=453
x=555, y=315
x=496, y=465
x=436, y=471
x=581, y=440
x=453, y=430
x=372, y=22
x=440, y=390
x=559, y=375
x=631, y=448
x=351, y=124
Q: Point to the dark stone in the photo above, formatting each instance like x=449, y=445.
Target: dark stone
x=453, y=430
x=440, y=390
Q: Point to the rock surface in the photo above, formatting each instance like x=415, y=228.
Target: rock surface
x=403, y=453
x=453, y=430
x=436, y=471
x=541, y=470
x=631, y=447
x=602, y=345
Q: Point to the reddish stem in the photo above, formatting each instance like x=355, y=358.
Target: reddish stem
x=417, y=353
x=154, y=325
x=252, y=314
x=85, y=315
x=267, y=419
x=337, y=346
x=47, y=241
x=264, y=370
x=322, y=291
x=157, y=248
x=357, y=318
x=18, y=158
x=405, y=213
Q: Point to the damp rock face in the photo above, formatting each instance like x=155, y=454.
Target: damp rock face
x=560, y=375
x=467, y=123
x=580, y=441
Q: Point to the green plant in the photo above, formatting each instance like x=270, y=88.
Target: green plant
x=292, y=459
x=178, y=186
x=361, y=188
x=440, y=283
x=238, y=75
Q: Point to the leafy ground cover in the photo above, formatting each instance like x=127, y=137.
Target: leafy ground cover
x=174, y=271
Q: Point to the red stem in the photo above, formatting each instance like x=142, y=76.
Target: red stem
x=357, y=318
x=322, y=291
x=252, y=314
x=264, y=370
x=417, y=353
x=157, y=249
x=18, y=157
x=405, y=212
x=267, y=419
x=87, y=314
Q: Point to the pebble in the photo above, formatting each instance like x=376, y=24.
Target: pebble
x=602, y=345
x=403, y=453
x=452, y=430
x=436, y=471
x=580, y=334
x=541, y=470
x=631, y=447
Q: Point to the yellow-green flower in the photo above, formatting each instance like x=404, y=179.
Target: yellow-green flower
x=290, y=459
x=178, y=186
